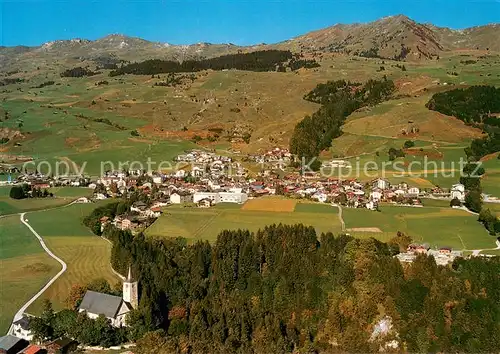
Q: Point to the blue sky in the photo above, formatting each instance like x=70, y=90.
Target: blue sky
x=32, y=22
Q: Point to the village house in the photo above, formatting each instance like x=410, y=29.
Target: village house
x=33, y=349
x=139, y=207
x=115, y=308
x=204, y=203
x=21, y=328
x=153, y=212
x=376, y=195
x=381, y=183
x=458, y=191
x=181, y=198
x=413, y=191
x=83, y=200
x=104, y=221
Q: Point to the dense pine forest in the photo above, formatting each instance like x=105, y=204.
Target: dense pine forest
x=472, y=105
x=285, y=289
x=338, y=99
x=264, y=60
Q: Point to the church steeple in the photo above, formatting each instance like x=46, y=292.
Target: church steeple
x=130, y=290
x=129, y=276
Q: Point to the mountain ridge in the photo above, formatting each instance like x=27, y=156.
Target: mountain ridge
x=393, y=37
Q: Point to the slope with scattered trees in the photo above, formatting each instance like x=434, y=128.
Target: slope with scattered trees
x=338, y=99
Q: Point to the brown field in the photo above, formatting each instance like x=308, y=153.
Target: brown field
x=421, y=182
x=270, y=204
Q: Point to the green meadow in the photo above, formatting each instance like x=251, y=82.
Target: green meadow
x=24, y=267
x=205, y=224
x=438, y=226
x=86, y=255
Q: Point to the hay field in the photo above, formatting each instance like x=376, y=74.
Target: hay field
x=205, y=224
x=86, y=255
x=434, y=225
x=24, y=268
x=270, y=204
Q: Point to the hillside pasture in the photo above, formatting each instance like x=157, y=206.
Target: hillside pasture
x=205, y=224
x=24, y=267
x=86, y=255
x=437, y=226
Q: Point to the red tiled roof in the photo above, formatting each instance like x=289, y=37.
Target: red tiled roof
x=32, y=349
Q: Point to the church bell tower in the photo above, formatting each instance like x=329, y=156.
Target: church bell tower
x=130, y=290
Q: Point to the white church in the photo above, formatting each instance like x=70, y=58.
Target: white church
x=115, y=308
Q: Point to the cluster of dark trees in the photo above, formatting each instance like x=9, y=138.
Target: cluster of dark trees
x=102, y=120
x=338, y=99
x=490, y=221
x=483, y=146
x=43, y=84
x=474, y=200
x=264, y=60
x=78, y=72
x=284, y=290
x=10, y=81
x=395, y=153
x=27, y=191
x=472, y=183
x=370, y=53
x=173, y=80
x=296, y=64
x=92, y=221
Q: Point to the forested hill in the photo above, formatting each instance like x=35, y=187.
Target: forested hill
x=283, y=290
x=477, y=106
x=339, y=99
x=264, y=60
x=473, y=105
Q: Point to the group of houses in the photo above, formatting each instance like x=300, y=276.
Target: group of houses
x=443, y=256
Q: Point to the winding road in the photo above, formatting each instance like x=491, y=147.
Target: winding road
x=341, y=219
x=19, y=314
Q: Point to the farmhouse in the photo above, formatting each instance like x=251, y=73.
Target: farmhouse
x=205, y=203
x=21, y=328
x=458, y=191
x=115, y=308
x=83, y=200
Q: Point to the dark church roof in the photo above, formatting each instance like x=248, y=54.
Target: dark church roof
x=101, y=304
x=23, y=322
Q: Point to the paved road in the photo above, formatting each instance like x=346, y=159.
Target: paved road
x=19, y=313
x=341, y=219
